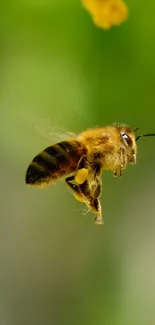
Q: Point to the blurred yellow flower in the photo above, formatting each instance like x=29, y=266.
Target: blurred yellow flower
x=106, y=13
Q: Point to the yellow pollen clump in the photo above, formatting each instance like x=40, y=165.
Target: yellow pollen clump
x=81, y=175
x=79, y=197
x=106, y=13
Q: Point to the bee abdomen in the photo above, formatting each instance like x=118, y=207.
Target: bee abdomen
x=54, y=162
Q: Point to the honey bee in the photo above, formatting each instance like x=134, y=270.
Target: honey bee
x=82, y=159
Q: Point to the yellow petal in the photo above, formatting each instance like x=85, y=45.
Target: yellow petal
x=106, y=13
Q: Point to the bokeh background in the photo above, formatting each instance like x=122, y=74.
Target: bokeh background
x=59, y=71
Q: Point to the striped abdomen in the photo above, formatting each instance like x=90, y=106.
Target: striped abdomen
x=54, y=162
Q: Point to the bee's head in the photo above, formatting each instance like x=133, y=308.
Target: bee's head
x=128, y=141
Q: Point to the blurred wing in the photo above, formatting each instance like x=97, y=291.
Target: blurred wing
x=50, y=132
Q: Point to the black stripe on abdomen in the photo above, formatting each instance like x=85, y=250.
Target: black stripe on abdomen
x=54, y=162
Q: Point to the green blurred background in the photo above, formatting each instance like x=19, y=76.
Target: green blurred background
x=58, y=70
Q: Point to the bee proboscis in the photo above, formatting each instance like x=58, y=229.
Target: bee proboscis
x=83, y=158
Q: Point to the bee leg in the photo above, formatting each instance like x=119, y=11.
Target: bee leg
x=82, y=170
x=92, y=200
x=96, y=187
x=84, y=194
x=95, y=202
x=96, y=207
x=117, y=172
x=75, y=188
x=82, y=163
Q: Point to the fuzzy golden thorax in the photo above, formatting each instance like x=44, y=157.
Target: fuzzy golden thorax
x=112, y=146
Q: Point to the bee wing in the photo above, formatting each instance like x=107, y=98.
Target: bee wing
x=52, y=133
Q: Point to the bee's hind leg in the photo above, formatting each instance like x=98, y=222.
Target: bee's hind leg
x=78, y=178
x=75, y=188
x=92, y=199
x=82, y=170
x=95, y=205
x=83, y=193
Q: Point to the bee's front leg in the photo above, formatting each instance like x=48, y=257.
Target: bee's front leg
x=118, y=172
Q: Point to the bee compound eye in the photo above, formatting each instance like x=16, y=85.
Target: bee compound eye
x=127, y=139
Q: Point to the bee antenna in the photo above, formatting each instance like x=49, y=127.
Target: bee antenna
x=135, y=129
x=145, y=135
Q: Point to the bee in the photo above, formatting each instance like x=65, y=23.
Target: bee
x=82, y=160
